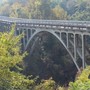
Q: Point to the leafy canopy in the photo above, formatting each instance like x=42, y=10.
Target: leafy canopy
x=10, y=56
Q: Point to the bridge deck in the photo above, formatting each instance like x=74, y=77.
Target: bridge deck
x=81, y=26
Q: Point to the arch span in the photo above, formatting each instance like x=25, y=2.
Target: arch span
x=58, y=37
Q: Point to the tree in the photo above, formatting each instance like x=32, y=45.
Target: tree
x=3, y=9
x=59, y=13
x=83, y=11
x=10, y=56
x=45, y=9
x=14, y=9
x=33, y=9
x=82, y=82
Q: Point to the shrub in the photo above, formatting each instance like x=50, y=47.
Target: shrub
x=82, y=82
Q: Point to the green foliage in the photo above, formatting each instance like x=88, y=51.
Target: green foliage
x=82, y=82
x=47, y=9
x=35, y=9
x=14, y=81
x=10, y=56
x=59, y=13
x=46, y=85
x=9, y=50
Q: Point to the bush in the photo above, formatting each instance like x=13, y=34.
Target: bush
x=82, y=82
x=46, y=85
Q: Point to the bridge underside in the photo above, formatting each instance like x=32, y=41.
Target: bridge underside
x=73, y=42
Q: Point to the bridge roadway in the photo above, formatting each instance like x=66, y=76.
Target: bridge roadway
x=70, y=33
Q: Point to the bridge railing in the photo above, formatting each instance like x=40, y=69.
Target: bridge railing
x=47, y=22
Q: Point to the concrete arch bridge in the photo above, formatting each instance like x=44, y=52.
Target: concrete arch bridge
x=72, y=34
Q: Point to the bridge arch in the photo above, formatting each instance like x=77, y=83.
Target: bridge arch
x=54, y=33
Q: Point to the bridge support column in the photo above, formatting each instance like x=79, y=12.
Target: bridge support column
x=17, y=30
x=31, y=32
x=83, y=51
x=67, y=41
x=60, y=35
x=27, y=35
x=75, y=48
x=75, y=51
x=24, y=39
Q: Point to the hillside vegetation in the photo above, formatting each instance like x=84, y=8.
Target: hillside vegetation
x=47, y=9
